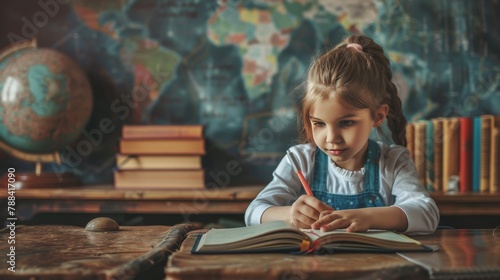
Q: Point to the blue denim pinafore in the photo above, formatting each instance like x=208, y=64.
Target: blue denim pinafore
x=370, y=197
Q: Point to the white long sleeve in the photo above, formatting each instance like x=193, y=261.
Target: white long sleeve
x=399, y=186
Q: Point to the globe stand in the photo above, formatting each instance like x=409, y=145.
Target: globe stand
x=39, y=179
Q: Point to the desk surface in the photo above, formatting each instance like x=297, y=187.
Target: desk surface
x=68, y=252
x=183, y=265
x=466, y=253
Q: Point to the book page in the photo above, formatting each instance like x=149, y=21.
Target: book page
x=381, y=235
x=232, y=235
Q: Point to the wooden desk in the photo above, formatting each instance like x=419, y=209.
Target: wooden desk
x=68, y=252
x=464, y=254
x=183, y=265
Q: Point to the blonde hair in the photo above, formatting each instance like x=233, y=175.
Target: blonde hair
x=358, y=72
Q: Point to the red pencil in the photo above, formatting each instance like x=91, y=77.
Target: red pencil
x=302, y=179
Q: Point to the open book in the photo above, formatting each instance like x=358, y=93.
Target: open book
x=280, y=236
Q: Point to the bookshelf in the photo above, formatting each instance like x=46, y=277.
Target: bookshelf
x=474, y=204
x=457, y=160
x=105, y=199
x=457, y=153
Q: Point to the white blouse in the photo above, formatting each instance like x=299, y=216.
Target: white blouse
x=399, y=186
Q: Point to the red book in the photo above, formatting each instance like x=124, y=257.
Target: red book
x=465, y=154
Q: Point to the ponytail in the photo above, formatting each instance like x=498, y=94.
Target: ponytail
x=395, y=118
x=396, y=121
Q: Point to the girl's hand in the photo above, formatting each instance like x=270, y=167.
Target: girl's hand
x=306, y=210
x=351, y=220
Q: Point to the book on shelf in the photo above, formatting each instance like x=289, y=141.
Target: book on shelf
x=465, y=154
x=410, y=139
x=187, y=146
x=158, y=162
x=485, y=152
x=451, y=148
x=429, y=156
x=476, y=153
x=419, y=149
x=161, y=131
x=462, y=152
x=281, y=236
x=159, y=179
x=437, y=124
x=495, y=155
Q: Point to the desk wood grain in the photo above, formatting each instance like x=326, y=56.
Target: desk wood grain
x=184, y=265
x=463, y=254
x=68, y=252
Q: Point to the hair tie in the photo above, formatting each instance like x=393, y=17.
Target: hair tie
x=355, y=46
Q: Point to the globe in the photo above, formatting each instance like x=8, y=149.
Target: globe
x=45, y=100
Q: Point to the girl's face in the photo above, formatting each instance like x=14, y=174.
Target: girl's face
x=342, y=131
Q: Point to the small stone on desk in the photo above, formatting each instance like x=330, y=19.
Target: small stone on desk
x=102, y=224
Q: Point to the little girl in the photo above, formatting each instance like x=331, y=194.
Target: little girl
x=358, y=184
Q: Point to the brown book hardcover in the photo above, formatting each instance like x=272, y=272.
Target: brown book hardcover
x=487, y=121
x=195, y=146
x=410, y=138
x=420, y=138
x=438, y=153
x=159, y=179
x=128, y=162
x=451, y=150
x=495, y=155
x=429, y=156
x=161, y=131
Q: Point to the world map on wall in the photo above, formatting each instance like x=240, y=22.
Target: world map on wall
x=237, y=67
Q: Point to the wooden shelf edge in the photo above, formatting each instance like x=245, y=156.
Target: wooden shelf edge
x=108, y=192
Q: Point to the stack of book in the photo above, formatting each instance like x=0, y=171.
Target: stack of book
x=457, y=153
x=160, y=157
